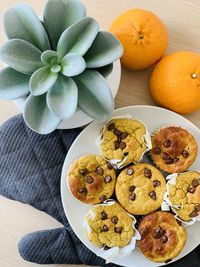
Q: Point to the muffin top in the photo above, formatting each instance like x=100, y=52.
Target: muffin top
x=123, y=139
x=186, y=192
x=174, y=149
x=162, y=237
x=91, y=179
x=110, y=226
x=140, y=189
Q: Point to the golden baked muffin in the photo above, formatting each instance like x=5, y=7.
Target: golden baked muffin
x=123, y=140
x=140, y=189
x=162, y=236
x=186, y=194
x=110, y=226
x=174, y=149
x=91, y=179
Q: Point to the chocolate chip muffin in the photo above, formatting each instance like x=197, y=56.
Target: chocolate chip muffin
x=109, y=226
x=91, y=179
x=140, y=189
x=174, y=149
x=186, y=195
x=162, y=236
x=123, y=141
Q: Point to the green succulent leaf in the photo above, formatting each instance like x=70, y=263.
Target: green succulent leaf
x=49, y=57
x=21, y=56
x=72, y=65
x=106, y=70
x=42, y=80
x=105, y=50
x=62, y=98
x=21, y=22
x=78, y=38
x=59, y=15
x=95, y=97
x=38, y=116
x=13, y=84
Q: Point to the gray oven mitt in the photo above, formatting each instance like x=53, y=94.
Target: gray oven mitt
x=30, y=169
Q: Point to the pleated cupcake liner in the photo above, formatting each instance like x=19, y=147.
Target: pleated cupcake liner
x=109, y=254
x=167, y=204
x=117, y=163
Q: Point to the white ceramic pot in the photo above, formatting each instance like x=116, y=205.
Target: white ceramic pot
x=80, y=118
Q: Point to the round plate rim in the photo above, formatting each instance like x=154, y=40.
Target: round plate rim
x=64, y=169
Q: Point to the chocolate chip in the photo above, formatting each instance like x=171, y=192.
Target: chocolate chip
x=156, y=150
x=185, y=154
x=83, y=171
x=195, y=182
x=104, y=228
x=164, y=239
x=156, y=183
x=130, y=171
x=152, y=195
x=124, y=135
x=99, y=170
x=167, y=143
x=179, y=222
x=162, y=231
x=169, y=161
x=132, y=196
x=111, y=126
x=126, y=154
x=176, y=160
x=193, y=214
x=166, y=156
x=116, y=144
x=119, y=140
x=197, y=208
x=104, y=215
x=132, y=188
x=102, y=198
x=117, y=133
x=191, y=189
x=118, y=230
x=109, y=165
x=147, y=173
x=122, y=145
x=83, y=191
x=89, y=179
x=114, y=219
x=107, y=179
x=159, y=233
x=105, y=247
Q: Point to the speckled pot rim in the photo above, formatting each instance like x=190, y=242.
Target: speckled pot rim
x=109, y=254
x=146, y=138
x=166, y=205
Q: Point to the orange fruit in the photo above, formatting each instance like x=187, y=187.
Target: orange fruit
x=175, y=82
x=143, y=36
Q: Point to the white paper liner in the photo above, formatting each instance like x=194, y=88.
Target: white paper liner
x=166, y=205
x=116, y=163
x=109, y=254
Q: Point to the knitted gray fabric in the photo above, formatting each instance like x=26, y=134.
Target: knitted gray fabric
x=30, y=168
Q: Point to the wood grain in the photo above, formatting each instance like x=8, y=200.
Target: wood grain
x=182, y=20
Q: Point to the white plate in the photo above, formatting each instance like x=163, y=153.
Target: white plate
x=75, y=211
x=80, y=119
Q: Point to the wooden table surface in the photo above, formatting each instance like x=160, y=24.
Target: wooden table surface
x=183, y=23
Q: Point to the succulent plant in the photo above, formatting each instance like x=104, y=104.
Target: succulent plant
x=57, y=63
